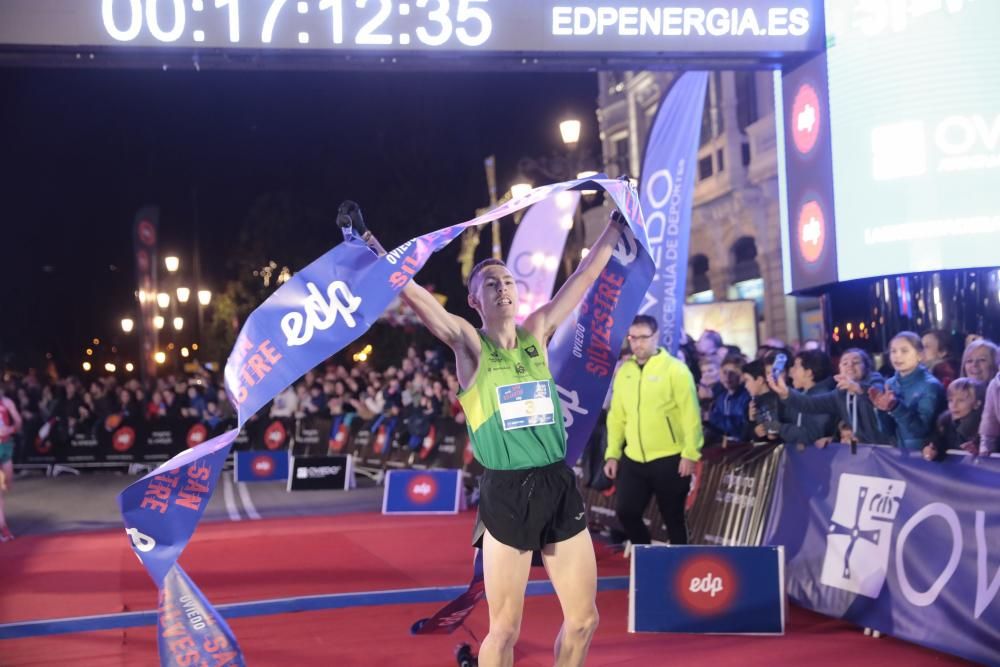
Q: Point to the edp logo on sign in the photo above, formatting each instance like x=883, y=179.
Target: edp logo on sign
x=706, y=585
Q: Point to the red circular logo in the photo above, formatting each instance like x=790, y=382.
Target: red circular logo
x=262, y=466
x=812, y=231
x=197, y=434
x=275, y=435
x=146, y=232
x=123, y=439
x=706, y=585
x=805, y=118
x=422, y=489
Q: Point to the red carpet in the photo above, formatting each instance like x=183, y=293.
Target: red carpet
x=96, y=573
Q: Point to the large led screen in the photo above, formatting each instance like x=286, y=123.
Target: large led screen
x=914, y=95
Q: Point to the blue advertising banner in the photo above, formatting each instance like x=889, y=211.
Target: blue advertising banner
x=262, y=466
x=422, y=492
x=325, y=307
x=585, y=348
x=707, y=589
x=187, y=634
x=666, y=190
x=890, y=541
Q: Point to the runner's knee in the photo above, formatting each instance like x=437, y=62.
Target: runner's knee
x=582, y=625
x=505, y=630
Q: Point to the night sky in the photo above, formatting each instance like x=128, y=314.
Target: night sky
x=82, y=150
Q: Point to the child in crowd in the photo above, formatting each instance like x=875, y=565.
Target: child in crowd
x=913, y=398
x=764, y=412
x=958, y=426
x=810, y=373
x=727, y=416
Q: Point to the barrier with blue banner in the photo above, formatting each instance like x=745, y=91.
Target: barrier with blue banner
x=422, y=492
x=733, y=590
x=261, y=466
x=890, y=541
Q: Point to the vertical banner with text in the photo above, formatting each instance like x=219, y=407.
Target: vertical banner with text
x=666, y=190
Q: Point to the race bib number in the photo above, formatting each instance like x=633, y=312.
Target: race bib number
x=525, y=404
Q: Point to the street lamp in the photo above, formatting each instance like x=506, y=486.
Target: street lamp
x=163, y=300
x=204, y=297
x=158, y=321
x=178, y=323
x=127, y=324
x=160, y=357
x=172, y=263
x=570, y=131
x=183, y=294
x=110, y=367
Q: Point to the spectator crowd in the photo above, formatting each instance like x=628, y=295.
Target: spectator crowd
x=915, y=396
x=415, y=392
x=920, y=396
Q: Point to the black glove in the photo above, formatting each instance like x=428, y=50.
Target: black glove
x=349, y=215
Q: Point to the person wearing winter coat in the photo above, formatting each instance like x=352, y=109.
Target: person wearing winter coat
x=849, y=401
x=913, y=397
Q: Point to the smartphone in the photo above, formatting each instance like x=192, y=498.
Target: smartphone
x=779, y=366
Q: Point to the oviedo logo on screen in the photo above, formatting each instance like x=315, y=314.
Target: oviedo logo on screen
x=262, y=466
x=706, y=585
x=422, y=489
x=805, y=120
x=275, y=435
x=812, y=231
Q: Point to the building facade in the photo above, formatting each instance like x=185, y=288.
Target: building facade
x=735, y=250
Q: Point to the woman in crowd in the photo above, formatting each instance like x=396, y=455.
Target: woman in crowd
x=979, y=361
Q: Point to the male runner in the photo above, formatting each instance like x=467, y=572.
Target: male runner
x=529, y=500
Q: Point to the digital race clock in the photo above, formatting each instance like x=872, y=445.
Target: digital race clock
x=683, y=28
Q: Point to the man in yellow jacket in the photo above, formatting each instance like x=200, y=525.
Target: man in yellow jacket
x=654, y=413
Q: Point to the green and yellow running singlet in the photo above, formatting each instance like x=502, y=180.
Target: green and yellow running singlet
x=512, y=409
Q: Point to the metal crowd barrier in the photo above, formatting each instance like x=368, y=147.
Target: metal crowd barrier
x=728, y=503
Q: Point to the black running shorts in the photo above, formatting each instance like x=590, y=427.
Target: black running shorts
x=527, y=509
